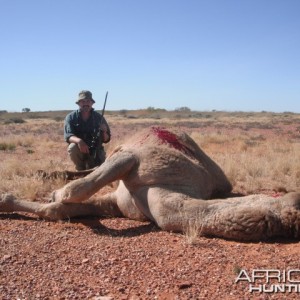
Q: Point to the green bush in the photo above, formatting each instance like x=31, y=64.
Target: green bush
x=15, y=120
x=7, y=146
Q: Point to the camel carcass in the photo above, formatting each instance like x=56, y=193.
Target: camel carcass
x=166, y=178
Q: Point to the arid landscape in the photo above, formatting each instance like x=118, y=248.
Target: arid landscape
x=94, y=258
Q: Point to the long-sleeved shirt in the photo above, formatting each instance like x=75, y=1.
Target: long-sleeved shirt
x=88, y=131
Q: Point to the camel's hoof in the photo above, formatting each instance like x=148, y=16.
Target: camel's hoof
x=7, y=198
x=56, y=196
x=52, y=197
x=6, y=202
x=292, y=199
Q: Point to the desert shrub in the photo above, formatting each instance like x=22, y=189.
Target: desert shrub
x=123, y=111
x=155, y=116
x=7, y=146
x=15, y=120
x=58, y=118
x=36, y=116
x=183, y=109
x=207, y=116
x=177, y=116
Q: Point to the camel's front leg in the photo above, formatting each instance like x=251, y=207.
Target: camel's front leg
x=115, y=167
x=106, y=206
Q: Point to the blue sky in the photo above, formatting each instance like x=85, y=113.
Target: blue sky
x=232, y=55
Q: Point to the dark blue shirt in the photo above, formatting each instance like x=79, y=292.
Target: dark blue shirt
x=87, y=130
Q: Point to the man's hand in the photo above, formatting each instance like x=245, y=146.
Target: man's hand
x=105, y=136
x=103, y=127
x=83, y=147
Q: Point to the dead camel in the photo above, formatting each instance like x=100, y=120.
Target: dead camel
x=166, y=178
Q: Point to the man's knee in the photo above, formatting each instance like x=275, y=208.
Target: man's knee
x=73, y=149
x=76, y=156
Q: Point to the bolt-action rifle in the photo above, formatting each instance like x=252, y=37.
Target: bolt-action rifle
x=97, y=135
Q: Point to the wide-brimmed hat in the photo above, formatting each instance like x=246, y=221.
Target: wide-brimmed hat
x=85, y=95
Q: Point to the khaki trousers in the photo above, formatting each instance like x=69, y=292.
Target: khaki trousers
x=83, y=161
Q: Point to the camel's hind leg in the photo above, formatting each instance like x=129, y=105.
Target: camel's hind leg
x=114, y=168
x=106, y=206
x=255, y=217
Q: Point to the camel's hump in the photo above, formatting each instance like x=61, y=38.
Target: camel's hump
x=157, y=136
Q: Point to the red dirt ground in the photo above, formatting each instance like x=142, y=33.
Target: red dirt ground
x=125, y=259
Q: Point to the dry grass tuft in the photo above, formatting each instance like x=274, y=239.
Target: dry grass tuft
x=192, y=232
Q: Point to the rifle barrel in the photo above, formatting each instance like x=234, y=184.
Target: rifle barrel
x=103, y=110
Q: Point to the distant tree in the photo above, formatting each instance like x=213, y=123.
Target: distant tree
x=123, y=111
x=183, y=109
x=26, y=109
x=151, y=108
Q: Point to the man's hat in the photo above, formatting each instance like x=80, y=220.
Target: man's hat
x=85, y=95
